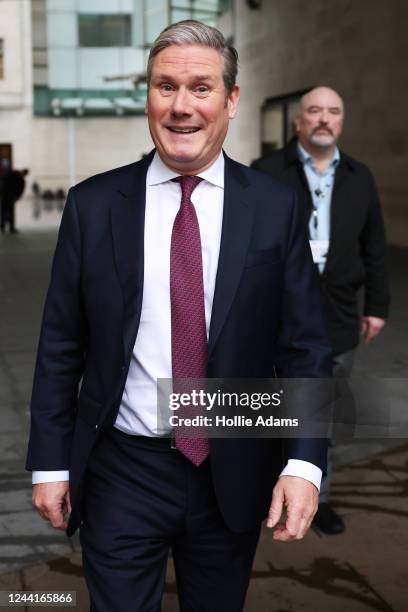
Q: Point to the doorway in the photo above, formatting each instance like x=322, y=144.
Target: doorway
x=278, y=114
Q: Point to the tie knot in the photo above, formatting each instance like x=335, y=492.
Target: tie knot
x=188, y=184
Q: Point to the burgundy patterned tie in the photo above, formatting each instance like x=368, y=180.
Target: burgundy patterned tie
x=188, y=332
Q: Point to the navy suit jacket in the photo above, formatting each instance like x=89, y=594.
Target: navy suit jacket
x=266, y=317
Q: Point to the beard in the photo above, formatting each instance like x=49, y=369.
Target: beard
x=322, y=140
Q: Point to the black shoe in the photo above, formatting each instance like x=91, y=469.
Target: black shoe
x=327, y=520
x=14, y=231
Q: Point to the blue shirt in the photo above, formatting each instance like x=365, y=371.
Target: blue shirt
x=321, y=188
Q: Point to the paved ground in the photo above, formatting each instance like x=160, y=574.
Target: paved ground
x=364, y=569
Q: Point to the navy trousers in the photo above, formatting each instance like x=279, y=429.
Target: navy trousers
x=142, y=499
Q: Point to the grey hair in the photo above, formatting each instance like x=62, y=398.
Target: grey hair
x=190, y=32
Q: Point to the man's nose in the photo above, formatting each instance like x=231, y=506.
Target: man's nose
x=181, y=103
x=324, y=117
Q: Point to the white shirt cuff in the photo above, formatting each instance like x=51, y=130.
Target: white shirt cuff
x=303, y=469
x=49, y=476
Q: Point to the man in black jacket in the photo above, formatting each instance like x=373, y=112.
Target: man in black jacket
x=13, y=186
x=346, y=230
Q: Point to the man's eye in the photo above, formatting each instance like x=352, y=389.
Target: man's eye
x=166, y=87
x=202, y=89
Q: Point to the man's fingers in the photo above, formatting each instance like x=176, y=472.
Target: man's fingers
x=56, y=519
x=55, y=515
x=301, y=499
x=371, y=334
x=52, y=502
x=275, y=511
x=293, y=520
x=371, y=327
x=303, y=528
x=283, y=534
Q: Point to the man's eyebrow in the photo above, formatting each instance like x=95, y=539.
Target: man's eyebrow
x=197, y=77
x=331, y=108
x=161, y=77
x=203, y=77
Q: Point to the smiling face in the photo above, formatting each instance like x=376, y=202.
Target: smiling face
x=320, y=120
x=188, y=108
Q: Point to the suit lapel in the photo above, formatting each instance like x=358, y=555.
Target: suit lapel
x=235, y=237
x=127, y=218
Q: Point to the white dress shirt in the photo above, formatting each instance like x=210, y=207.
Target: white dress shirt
x=151, y=356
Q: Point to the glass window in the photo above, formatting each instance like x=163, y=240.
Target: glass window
x=1, y=58
x=104, y=30
x=205, y=5
x=207, y=17
x=181, y=4
x=202, y=10
x=209, y=5
x=180, y=15
x=156, y=19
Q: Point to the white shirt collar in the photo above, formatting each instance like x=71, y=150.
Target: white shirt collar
x=158, y=172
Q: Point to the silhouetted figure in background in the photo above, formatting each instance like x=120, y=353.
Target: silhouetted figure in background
x=35, y=188
x=339, y=200
x=12, y=189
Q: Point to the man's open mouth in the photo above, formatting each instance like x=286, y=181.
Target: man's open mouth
x=180, y=130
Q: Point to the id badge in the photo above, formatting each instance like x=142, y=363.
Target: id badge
x=319, y=250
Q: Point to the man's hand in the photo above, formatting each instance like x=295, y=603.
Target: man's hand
x=52, y=501
x=371, y=327
x=300, y=498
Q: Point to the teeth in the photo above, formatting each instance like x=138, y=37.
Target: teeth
x=184, y=130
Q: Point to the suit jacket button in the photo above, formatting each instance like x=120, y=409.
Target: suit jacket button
x=96, y=426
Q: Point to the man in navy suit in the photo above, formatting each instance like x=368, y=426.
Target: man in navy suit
x=185, y=264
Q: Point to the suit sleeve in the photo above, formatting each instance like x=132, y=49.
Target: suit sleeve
x=304, y=351
x=373, y=254
x=61, y=353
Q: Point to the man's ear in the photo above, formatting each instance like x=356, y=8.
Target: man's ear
x=232, y=101
x=296, y=123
